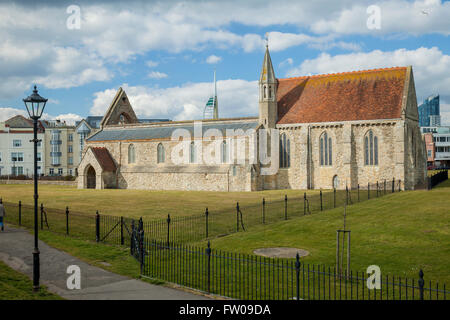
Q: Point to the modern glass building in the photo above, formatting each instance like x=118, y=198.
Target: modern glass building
x=429, y=112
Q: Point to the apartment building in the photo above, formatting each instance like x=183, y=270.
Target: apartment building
x=61, y=143
x=16, y=148
x=59, y=152
x=437, y=140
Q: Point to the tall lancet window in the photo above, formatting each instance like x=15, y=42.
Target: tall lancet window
x=285, y=151
x=161, y=156
x=225, y=152
x=370, y=149
x=131, y=154
x=326, y=150
x=192, y=153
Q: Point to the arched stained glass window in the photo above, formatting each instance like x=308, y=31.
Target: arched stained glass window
x=161, y=156
x=370, y=149
x=326, y=150
x=131, y=154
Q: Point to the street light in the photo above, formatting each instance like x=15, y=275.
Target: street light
x=35, y=106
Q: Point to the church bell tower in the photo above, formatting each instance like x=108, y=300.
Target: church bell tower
x=268, y=113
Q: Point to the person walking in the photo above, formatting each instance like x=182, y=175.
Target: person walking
x=2, y=214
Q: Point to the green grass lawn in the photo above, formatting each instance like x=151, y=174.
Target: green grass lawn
x=401, y=233
x=139, y=203
x=17, y=286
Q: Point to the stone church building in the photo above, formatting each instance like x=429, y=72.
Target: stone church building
x=334, y=130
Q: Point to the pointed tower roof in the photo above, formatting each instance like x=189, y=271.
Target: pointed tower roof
x=267, y=73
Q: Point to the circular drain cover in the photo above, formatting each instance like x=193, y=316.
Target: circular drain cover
x=281, y=252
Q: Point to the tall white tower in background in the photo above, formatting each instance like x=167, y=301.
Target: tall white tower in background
x=212, y=107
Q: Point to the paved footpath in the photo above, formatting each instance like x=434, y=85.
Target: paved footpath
x=16, y=247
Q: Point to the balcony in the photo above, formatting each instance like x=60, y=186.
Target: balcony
x=55, y=142
x=442, y=156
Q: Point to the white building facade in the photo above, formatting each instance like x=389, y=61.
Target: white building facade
x=16, y=150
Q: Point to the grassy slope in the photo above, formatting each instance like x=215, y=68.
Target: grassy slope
x=17, y=286
x=401, y=233
x=137, y=203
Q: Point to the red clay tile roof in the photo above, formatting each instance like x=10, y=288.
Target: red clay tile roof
x=104, y=158
x=358, y=95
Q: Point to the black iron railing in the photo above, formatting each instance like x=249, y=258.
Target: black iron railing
x=250, y=277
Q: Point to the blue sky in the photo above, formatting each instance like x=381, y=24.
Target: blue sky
x=164, y=53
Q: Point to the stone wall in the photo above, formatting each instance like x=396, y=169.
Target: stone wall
x=48, y=182
x=347, y=155
x=395, y=160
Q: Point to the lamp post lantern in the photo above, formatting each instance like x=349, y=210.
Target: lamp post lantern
x=35, y=105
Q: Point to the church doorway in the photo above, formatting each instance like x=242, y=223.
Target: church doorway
x=335, y=182
x=90, y=178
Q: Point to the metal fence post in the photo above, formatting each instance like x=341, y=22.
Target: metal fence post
x=121, y=231
x=168, y=230
x=346, y=195
x=399, y=185
x=20, y=213
x=384, y=186
x=377, y=188
x=264, y=211
x=97, y=227
x=368, y=190
x=208, y=254
x=421, y=282
x=141, y=249
x=358, y=192
x=393, y=185
x=42, y=216
x=67, y=220
x=304, y=203
x=133, y=235
x=285, y=206
x=237, y=217
x=297, y=274
x=334, y=197
x=321, y=200
x=206, y=221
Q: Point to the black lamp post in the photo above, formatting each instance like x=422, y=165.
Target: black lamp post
x=35, y=106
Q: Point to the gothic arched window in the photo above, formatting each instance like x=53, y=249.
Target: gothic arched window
x=370, y=149
x=161, y=157
x=285, y=151
x=192, y=153
x=326, y=150
x=131, y=154
x=225, y=152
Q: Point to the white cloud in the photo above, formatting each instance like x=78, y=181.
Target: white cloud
x=69, y=118
x=151, y=63
x=157, y=75
x=285, y=63
x=431, y=67
x=236, y=98
x=7, y=113
x=44, y=51
x=396, y=16
x=212, y=59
